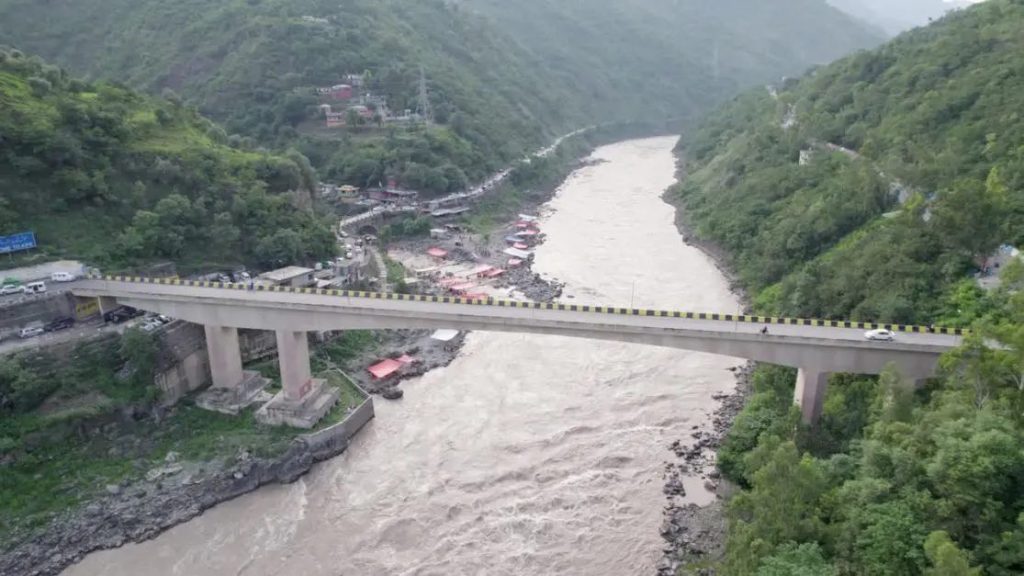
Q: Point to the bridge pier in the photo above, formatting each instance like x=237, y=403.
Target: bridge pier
x=233, y=389
x=225, y=356
x=293, y=358
x=809, y=395
x=303, y=400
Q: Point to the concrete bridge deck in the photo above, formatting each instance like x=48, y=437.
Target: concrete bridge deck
x=817, y=347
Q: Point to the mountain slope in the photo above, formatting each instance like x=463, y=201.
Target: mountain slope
x=102, y=173
x=675, y=57
x=895, y=16
x=931, y=119
x=499, y=85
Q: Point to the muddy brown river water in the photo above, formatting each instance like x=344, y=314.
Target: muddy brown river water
x=526, y=456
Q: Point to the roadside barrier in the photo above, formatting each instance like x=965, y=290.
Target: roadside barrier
x=748, y=319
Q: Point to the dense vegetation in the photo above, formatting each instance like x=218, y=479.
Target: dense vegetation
x=103, y=173
x=499, y=86
x=935, y=112
x=893, y=479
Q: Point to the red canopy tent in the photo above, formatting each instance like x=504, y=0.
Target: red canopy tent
x=520, y=246
x=437, y=252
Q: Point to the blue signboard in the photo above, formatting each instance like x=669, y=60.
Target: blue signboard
x=16, y=242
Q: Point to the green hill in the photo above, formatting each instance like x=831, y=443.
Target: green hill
x=872, y=188
x=936, y=111
x=103, y=173
x=499, y=84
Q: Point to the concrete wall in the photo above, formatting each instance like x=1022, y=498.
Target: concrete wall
x=334, y=439
x=18, y=311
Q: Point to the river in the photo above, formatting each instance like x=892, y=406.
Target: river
x=528, y=454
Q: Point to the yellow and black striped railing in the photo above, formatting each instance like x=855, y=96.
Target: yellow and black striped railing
x=539, y=305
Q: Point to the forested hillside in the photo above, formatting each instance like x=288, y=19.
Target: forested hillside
x=106, y=174
x=498, y=86
x=931, y=119
x=873, y=188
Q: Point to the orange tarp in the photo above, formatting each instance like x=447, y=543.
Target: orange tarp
x=384, y=368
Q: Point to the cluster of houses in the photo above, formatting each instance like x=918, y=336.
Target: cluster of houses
x=341, y=101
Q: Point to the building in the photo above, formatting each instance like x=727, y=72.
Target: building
x=356, y=80
x=293, y=276
x=336, y=119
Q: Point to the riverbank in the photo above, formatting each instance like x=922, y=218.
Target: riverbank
x=178, y=462
x=695, y=535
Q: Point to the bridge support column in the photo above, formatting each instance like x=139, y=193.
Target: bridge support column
x=304, y=400
x=811, y=385
x=233, y=388
x=225, y=356
x=293, y=358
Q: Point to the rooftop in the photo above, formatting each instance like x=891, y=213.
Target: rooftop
x=286, y=273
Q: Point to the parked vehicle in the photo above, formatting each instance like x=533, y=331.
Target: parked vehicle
x=880, y=335
x=122, y=314
x=8, y=289
x=30, y=332
x=150, y=325
x=35, y=287
x=59, y=324
x=63, y=277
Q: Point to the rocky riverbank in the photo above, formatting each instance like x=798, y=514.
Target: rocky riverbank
x=170, y=495
x=695, y=535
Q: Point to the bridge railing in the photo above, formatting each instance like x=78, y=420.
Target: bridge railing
x=742, y=318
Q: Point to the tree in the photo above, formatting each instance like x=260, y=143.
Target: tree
x=946, y=558
x=782, y=506
x=225, y=234
x=796, y=560
x=969, y=215
x=138, y=349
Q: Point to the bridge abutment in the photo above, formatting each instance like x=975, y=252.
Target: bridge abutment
x=809, y=395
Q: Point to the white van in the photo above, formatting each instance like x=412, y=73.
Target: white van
x=63, y=277
x=35, y=287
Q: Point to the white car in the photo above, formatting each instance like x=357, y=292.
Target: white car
x=11, y=289
x=880, y=335
x=31, y=332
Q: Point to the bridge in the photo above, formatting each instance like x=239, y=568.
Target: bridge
x=816, y=347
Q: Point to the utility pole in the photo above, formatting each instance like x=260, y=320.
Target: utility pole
x=423, y=108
